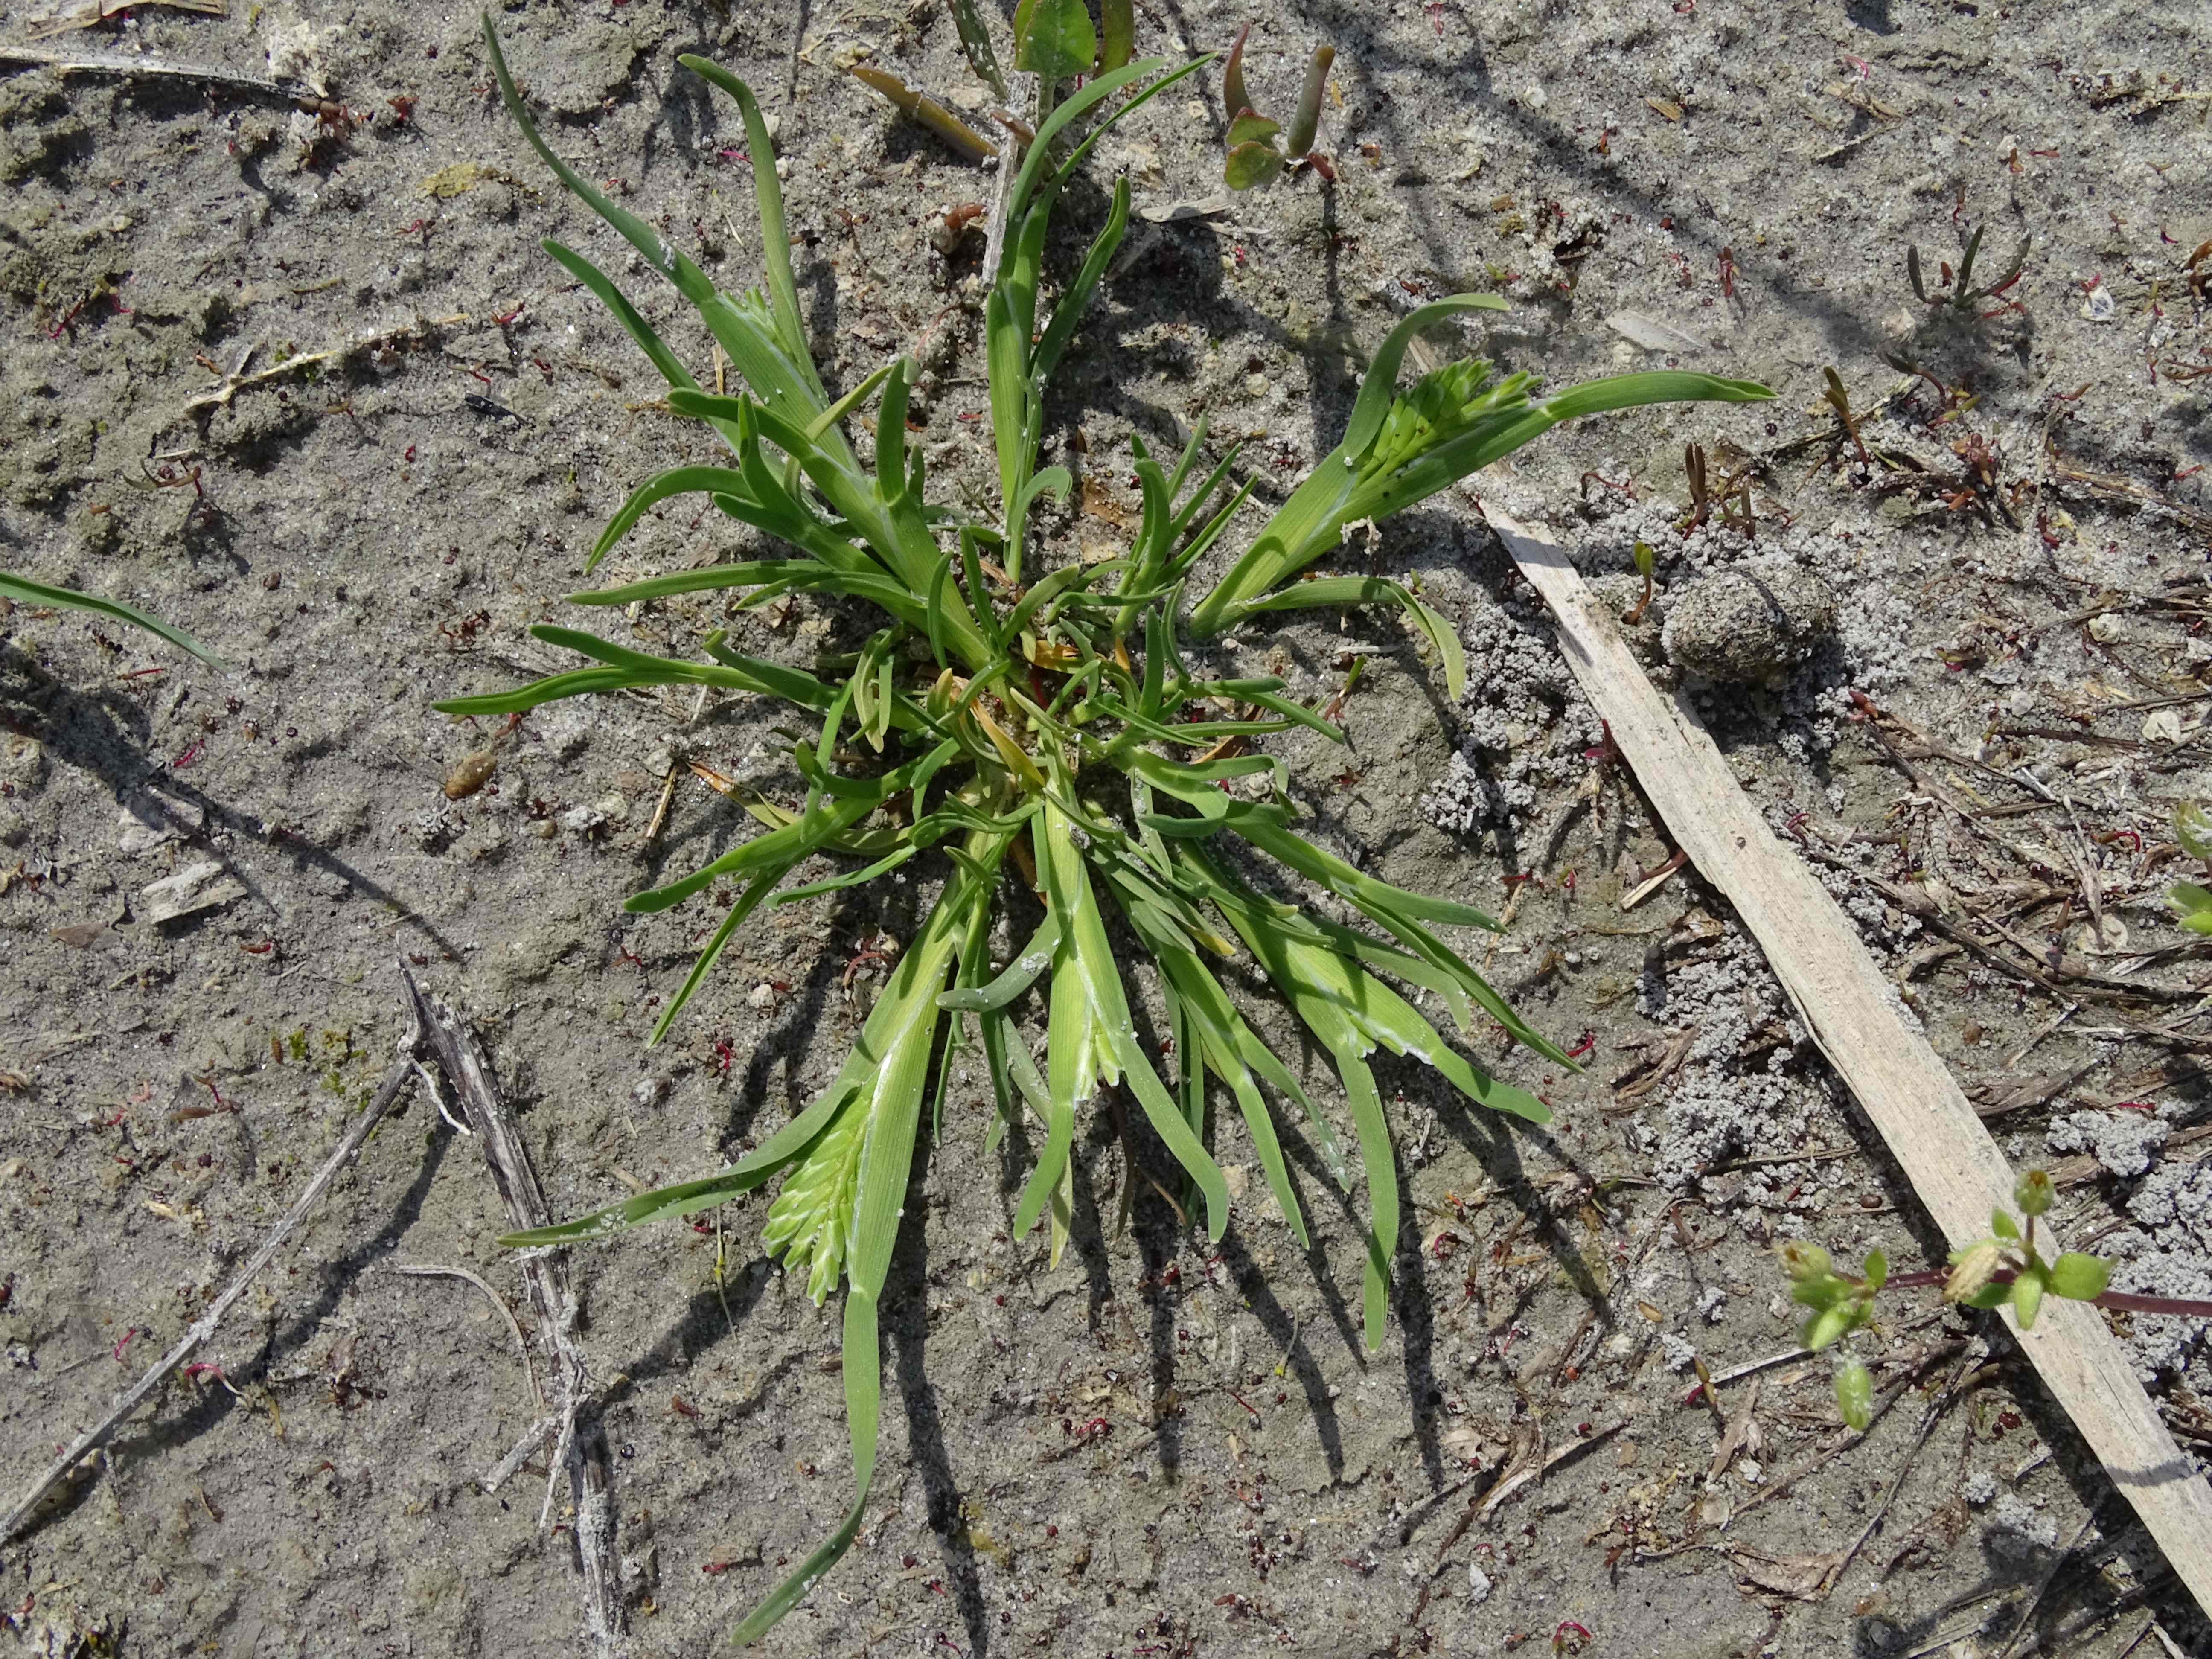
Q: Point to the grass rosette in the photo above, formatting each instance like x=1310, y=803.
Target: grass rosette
x=1050, y=728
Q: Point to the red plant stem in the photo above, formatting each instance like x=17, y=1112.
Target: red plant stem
x=2119, y=1301
x=2129, y=1301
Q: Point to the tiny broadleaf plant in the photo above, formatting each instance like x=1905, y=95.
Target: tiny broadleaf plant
x=1051, y=722
x=2004, y=1268
x=2192, y=901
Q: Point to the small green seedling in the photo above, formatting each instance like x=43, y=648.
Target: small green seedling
x=1646, y=564
x=2004, y=1268
x=23, y=591
x=1253, y=158
x=1015, y=731
x=2191, y=900
x=1957, y=293
x=1840, y=401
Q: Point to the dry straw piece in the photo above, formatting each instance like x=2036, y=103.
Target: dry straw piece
x=1840, y=993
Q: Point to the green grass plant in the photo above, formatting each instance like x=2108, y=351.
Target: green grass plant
x=1027, y=725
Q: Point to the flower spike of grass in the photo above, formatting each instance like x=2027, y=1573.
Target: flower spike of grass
x=1014, y=724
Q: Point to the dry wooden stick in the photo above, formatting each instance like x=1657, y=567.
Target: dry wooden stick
x=1021, y=95
x=85, y=13
x=1848, y=1007
x=132, y=68
x=581, y=1448
x=388, y=1092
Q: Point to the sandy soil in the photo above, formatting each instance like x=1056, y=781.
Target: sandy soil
x=1160, y=1448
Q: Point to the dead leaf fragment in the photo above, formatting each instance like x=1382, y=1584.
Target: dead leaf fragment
x=458, y=180
x=1098, y=502
x=203, y=886
x=153, y=816
x=84, y=14
x=1650, y=333
x=1798, y=1576
x=1212, y=207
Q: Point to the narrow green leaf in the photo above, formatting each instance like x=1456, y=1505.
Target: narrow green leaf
x=1031, y=960
x=25, y=591
x=630, y=668
x=689, y=1197
x=746, y=673
x=852, y=399
x=1077, y=156
x=768, y=198
x=771, y=872
x=1380, y=1160
x=1068, y=314
x=676, y=481
x=1037, y=158
x=1052, y=587
x=602, y=289
x=1006, y=354
x=1071, y=1071
x=850, y=878
x=1442, y=637
x=1068, y=890
x=863, y=1378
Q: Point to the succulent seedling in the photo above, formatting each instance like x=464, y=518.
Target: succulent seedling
x=1957, y=292
x=1253, y=156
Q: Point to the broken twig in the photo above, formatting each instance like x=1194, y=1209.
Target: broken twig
x=394, y=1085
x=582, y=1447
